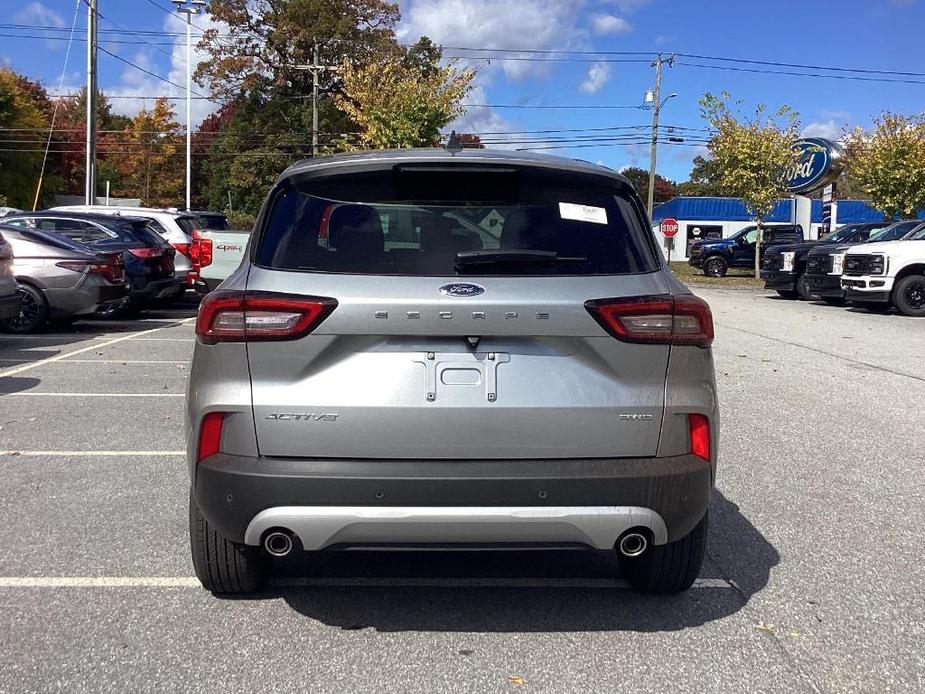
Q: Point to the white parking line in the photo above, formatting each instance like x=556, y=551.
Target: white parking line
x=95, y=345
x=30, y=394
x=337, y=582
x=124, y=361
x=93, y=454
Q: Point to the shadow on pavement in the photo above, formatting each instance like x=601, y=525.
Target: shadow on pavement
x=737, y=552
x=17, y=384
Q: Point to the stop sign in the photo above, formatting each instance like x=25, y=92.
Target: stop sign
x=669, y=227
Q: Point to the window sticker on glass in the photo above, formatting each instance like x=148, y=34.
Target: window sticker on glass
x=582, y=213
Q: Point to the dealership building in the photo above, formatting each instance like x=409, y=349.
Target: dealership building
x=714, y=218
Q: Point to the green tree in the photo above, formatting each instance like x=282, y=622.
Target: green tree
x=753, y=154
x=152, y=165
x=24, y=117
x=888, y=163
x=702, y=180
x=405, y=100
x=665, y=189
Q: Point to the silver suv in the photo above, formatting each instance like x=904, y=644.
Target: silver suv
x=432, y=349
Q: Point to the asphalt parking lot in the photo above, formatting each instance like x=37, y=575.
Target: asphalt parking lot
x=813, y=581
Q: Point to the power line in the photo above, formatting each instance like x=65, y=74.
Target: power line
x=793, y=73
x=156, y=76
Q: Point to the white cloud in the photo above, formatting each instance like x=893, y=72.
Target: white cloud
x=136, y=83
x=627, y=6
x=829, y=130
x=609, y=24
x=515, y=24
x=36, y=13
x=837, y=115
x=598, y=76
x=481, y=120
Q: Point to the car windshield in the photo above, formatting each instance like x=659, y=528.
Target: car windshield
x=846, y=233
x=532, y=227
x=214, y=222
x=894, y=232
x=917, y=236
x=187, y=224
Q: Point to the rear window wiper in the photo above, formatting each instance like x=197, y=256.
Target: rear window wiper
x=510, y=256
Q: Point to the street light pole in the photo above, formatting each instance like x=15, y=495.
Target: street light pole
x=194, y=7
x=90, y=182
x=657, y=104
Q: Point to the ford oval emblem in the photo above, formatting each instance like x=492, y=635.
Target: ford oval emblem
x=462, y=289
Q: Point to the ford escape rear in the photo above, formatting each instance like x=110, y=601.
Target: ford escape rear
x=433, y=349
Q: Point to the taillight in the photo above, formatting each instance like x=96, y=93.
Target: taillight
x=699, y=427
x=200, y=250
x=112, y=270
x=182, y=248
x=146, y=253
x=210, y=434
x=662, y=319
x=230, y=316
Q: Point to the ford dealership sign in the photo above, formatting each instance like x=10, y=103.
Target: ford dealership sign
x=818, y=166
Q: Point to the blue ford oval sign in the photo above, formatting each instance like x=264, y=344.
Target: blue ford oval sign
x=462, y=289
x=818, y=166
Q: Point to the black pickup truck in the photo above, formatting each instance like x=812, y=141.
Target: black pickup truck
x=784, y=266
x=825, y=260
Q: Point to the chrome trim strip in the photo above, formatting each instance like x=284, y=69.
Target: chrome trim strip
x=322, y=526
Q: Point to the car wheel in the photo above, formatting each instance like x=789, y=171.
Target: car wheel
x=130, y=309
x=787, y=293
x=834, y=300
x=33, y=311
x=668, y=568
x=909, y=295
x=803, y=287
x=222, y=566
x=715, y=267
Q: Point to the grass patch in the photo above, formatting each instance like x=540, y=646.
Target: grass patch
x=694, y=276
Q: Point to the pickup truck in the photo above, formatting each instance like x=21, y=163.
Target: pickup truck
x=878, y=275
x=824, y=264
x=215, y=255
x=783, y=266
x=716, y=256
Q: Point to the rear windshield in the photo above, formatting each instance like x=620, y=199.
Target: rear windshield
x=215, y=222
x=187, y=224
x=438, y=223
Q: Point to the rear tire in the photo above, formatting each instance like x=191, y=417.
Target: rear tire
x=33, y=312
x=909, y=295
x=715, y=266
x=222, y=566
x=668, y=568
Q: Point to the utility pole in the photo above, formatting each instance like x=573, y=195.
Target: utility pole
x=90, y=184
x=195, y=7
x=657, y=103
x=315, y=67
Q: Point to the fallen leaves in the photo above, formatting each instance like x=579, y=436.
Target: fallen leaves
x=516, y=680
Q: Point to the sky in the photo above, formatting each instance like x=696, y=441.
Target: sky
x=525, y=95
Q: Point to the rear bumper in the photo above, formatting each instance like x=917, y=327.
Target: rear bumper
x=159, y=289
x=9, y=305
x=828, y=286
x=401, y=501
x=779, y=280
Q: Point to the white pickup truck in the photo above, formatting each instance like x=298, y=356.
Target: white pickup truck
x=878, y=275
x=215, y=255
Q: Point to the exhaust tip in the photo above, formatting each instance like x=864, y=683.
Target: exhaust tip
x=278, y=543
x=633, y=544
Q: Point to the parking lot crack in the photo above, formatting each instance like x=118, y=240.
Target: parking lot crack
x=859, y=362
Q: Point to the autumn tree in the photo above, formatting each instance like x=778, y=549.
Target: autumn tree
x=753, y=154
x=405, y=100
x=150, y=159
x=264, y=42
x=888, y=163
x=664, y=189
x=23, y=120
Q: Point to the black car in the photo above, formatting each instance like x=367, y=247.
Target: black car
x=716, y=256
x=784, y=266
x=148, y=258
x=824, y=261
